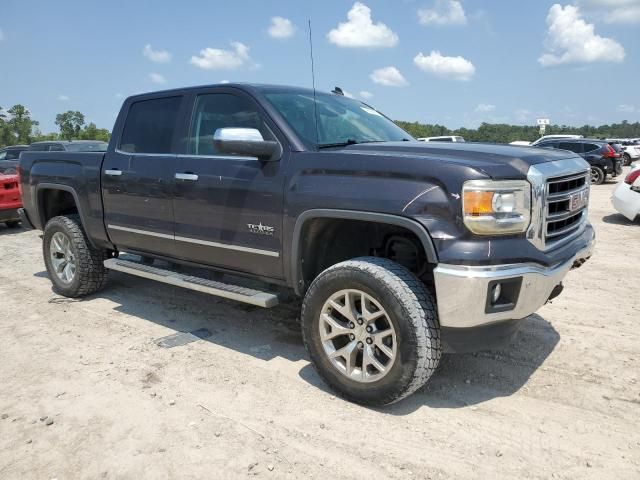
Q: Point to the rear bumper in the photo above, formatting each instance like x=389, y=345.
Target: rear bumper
x=9, y=215
x=626, y=201
x=464, y=292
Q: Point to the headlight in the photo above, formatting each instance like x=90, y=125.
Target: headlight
x=496, y=207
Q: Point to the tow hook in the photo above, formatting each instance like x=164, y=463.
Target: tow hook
x=557, y=290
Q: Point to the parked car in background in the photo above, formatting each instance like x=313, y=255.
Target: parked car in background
x=626, y=196
x=544, y=138
x=9, y=200
x=446, y=138
x=69, y=146
x=630, y=149
x=602, y=157
x=9, y=157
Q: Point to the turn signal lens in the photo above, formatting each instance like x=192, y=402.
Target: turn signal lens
x=478, y=203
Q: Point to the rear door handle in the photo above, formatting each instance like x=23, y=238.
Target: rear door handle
x=114, y=172
x=191, y=177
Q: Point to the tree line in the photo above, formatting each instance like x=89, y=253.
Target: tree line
x=17, y=127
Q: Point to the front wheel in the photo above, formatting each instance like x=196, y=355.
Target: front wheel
x=372, y=330
x=597, y=176
x=75, y=267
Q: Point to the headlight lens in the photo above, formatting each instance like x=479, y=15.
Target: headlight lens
x=496, y=207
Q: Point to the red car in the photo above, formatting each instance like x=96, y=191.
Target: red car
x=10, y=200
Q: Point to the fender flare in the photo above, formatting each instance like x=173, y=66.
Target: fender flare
x=65, y=188
x=390, y=219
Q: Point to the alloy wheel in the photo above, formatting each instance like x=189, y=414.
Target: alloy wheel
x=63, y=259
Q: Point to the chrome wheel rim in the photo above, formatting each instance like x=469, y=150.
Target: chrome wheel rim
x=357, y=335
x=63, y=260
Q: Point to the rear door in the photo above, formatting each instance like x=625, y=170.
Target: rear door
x=137, y=177
x=228, y=209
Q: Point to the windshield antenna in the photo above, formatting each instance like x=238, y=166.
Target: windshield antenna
x=313, y=82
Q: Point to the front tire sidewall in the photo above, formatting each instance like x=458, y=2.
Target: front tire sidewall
x=396, y=382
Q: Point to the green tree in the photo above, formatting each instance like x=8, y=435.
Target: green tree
x=91, y=132
x=20, y=125
x=70, y=124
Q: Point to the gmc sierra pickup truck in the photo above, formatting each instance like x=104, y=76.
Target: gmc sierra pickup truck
x=400, y=249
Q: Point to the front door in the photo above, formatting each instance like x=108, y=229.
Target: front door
x=228, y=209
x=137, y=178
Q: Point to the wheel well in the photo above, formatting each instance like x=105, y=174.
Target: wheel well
x=327, y=241
x=54, y=202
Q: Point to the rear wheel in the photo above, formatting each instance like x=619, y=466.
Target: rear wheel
x=75, y=267
x=372, y=330
x=627, y=159
x=597, y=176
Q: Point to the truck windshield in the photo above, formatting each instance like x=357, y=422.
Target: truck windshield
x=341, y=120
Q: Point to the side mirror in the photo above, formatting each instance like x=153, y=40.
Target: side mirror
x=246, y=141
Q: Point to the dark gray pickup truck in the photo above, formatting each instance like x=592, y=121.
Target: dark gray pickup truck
x=400, y=249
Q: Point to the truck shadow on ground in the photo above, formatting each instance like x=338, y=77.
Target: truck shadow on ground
x=460, y=381
x=4, y=230
x=618, y=219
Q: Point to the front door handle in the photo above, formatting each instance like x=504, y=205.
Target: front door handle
x=191, y=177
x=113, y=172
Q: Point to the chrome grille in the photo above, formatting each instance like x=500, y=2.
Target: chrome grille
x=565, y=210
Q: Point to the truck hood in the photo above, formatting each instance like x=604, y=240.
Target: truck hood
x=496, y=161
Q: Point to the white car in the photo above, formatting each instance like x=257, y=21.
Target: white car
x=626, y=196
x=445, y=138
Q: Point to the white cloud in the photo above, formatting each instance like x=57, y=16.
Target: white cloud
x=219, y=59
x=63, y=98
x=485, y=107
x=360, y=31
x=158, y=56
x=1, y=35
x=523, y=115
x=157, y=78
x=614, y=11
x=624, y=108
x=457, y=68
x=366, y=95
x=118, y=95
x=389, y=77
x=281, y=28
x=347, y=93
x=444, y=12
x=572, y=40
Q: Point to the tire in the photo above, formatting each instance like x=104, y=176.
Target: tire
x=409, y=310
x=12, y=224
x=597, y=175
x=89, y=274
x=627, y=159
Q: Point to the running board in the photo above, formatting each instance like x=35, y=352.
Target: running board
x=219, y=289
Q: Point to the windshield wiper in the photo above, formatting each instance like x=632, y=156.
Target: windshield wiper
x=349, y=141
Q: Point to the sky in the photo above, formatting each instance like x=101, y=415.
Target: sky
x=456, y=63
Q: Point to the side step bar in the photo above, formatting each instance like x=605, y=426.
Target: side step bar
x=219, y=289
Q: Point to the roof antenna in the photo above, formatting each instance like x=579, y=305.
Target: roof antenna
x=313, y=81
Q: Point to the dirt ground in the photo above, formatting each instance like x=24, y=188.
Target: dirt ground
x=562, y=401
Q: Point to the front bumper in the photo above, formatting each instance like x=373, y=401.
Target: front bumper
x=463, y=291
x=626, y=201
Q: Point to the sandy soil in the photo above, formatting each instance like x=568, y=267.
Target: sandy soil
x=562, y=401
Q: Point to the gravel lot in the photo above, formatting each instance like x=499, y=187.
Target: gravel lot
x=562, y=401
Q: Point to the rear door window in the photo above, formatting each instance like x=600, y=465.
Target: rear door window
x=150, y=126
x=591, y=147
x=576, y=147
x=56, y=148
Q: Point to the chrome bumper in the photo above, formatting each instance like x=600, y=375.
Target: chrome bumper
x=462, y=290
